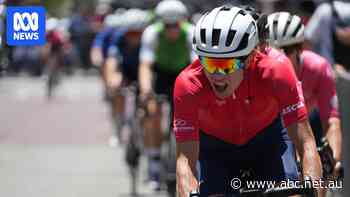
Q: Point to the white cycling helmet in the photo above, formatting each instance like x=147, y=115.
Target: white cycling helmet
x=114, y=20
x=136, y=19
x=51, y=24
x=285, y=29
x=225, y=32
x=171, y=11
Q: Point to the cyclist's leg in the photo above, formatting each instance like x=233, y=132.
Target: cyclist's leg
x=118, y=108
x=220, y=162
x=153, y=133
x=153, y=122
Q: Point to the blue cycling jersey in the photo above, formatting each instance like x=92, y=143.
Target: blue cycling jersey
x=126, y=54
x=104, y=38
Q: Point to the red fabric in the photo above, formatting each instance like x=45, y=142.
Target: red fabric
x=267, y=90
x=54, y=38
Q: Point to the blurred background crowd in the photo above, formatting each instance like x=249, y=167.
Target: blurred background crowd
x=74, y=25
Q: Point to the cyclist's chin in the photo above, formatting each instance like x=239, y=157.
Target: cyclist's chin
x=222, y=91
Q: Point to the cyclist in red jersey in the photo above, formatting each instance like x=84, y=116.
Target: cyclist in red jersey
x=316, y=76
x=227, y=109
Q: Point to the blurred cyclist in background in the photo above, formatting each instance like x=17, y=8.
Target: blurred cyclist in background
x=98, y=52
x=328, y=33
x=121, y=66
x=315, y=74
x=166, y=50
x=54, y=55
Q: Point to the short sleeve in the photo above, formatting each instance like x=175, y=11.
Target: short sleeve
x=289, y=93
x=148, y=44
x=185, y=122
x=327, y=96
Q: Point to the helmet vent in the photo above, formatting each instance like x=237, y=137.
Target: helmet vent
x=244, y=42
x=216, y=37
x=230, y=36
x=297, y=29
x=203, y=36
x=226, y=8
x=287, y=25
x=274, y=29
x=242, y=12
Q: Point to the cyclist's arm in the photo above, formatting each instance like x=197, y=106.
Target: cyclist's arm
x=185, y=127
x=294, y=114
x=111, y=73
x=145, y=77
x=334, y=136
x=186, y=158
x=328, y=106
x=96, y=54
x=111, y=70
x=303, y=139
x=147, y=56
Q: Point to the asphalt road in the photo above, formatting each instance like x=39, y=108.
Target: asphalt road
x=59, y=147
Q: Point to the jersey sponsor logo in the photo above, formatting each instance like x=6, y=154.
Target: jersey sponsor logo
x=25, y=25
x=181, y=125
x=292, y=108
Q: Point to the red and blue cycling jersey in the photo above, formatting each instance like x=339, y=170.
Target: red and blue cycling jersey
x=269, y=89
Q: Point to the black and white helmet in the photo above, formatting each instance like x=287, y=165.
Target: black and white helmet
x=225, y=32
x=285, y=29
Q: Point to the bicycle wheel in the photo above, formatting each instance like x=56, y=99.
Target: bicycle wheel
x=52, y=83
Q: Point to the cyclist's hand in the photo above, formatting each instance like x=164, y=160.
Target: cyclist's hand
x=340, y=69
x=343, y=34
x=337, y=170
x=114, y=82
x=144, y=97
x=188, y=189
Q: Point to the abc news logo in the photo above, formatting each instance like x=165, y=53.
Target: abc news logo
x=29, y=29
x=25, y=25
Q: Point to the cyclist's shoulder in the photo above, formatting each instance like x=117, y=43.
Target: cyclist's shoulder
x=191, y=79
x=154, y=28
x=269, y=68
x=314, y=61
x=268, y=62
x=150, y=34
x=118, y=33
x=276, y=54
x=187, y=26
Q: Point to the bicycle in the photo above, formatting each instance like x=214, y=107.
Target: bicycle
x=55, y=65
x=131, y=124
x=168, y=151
